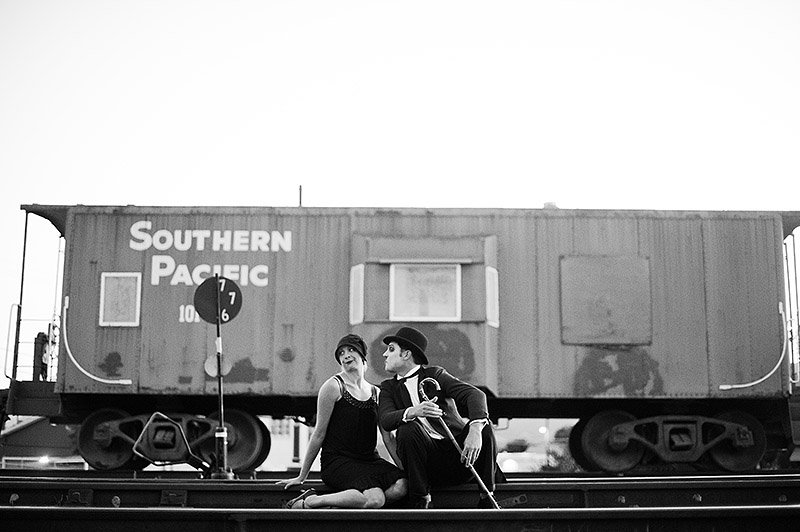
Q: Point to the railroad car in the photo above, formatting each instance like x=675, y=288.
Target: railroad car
x=665, y=333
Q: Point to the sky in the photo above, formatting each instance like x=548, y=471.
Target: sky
x=636, y=104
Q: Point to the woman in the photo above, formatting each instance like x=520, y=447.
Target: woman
x=346, y=431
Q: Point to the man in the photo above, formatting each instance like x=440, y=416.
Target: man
x=427, y=454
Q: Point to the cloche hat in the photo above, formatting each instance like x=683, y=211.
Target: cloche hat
x=354, y=341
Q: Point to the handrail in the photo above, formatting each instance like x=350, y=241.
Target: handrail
x=794, y=378
x=8, y=338
x=124, y=382
x=727, y=387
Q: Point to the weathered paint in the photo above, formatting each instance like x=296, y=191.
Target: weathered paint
x=715, y=280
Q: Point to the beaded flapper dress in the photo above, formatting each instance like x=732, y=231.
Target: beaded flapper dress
x=349, y=459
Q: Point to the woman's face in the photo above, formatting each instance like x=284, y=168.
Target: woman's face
x=350, y=358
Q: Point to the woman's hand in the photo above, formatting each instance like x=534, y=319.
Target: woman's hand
x=288, y=483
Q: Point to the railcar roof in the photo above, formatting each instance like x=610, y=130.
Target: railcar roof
x=57, y=214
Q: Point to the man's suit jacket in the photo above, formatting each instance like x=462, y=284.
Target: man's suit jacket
x=455, y=395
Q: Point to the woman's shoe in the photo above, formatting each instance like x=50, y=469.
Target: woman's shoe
x=300, y=498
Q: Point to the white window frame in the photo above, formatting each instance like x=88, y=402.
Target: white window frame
x=393, y=316
x=107, y=275
x=492, y=297
x=357, y=294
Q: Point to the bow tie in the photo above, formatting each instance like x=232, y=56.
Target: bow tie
x=402, y=380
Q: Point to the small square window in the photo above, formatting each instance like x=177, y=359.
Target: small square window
x=425, y=292
x=120, y=299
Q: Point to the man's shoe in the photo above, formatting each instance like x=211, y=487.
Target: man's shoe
x=485, y=503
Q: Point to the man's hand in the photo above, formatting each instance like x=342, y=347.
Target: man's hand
x=426, y=409
x=472, y=445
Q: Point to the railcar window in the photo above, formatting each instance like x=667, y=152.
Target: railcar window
x=120, y=299
x=425, y=292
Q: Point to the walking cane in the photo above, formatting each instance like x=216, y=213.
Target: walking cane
x=435, y=383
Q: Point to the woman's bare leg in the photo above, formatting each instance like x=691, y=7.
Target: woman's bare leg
x=371, y=498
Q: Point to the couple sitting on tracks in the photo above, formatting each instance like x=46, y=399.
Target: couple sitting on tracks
x=417, y=428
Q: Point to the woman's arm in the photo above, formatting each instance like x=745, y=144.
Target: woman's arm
x=326, y=399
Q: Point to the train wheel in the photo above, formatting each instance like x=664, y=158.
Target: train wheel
x=575, y=448
x=732, y=458
x=597, y=448
x=248, y=441
x=101, y=445
x=266, y=445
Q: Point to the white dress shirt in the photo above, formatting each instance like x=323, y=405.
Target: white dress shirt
x=413, y=391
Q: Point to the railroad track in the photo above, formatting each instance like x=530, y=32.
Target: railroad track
x=80, y=519
x=85, y=503
x=697, y=491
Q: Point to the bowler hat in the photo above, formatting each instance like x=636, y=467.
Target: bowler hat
x=410, y=338
x=354, y=341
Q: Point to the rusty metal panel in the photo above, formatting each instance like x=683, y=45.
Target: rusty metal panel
x=294, y=298
x=605, y=300
x=311, y=310
x=743, y=286
x=92, y=248
x=397, y=248
x=556, y=363
x=380, y=252
x=466, y=348
x=602, y=370
x=574, y=370
x=175, y=343
x=606, y=235
x=714, y=283
x=676, y=364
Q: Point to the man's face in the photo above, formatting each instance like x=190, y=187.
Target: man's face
x=392, y=358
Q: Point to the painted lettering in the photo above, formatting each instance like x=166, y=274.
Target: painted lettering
x=164, y=267
x=240, y=239
x=140, y=238
x=162, y=240
x=143, y=238
x=259, y=241
x=282, y=241
x=221, y=240
x=200, y=238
